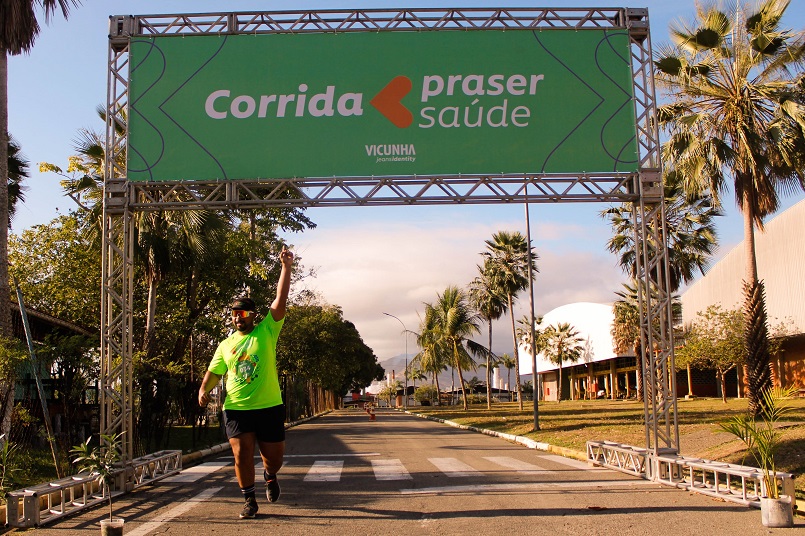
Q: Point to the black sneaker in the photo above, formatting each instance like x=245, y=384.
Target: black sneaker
x=272, y=490
x=249, y=510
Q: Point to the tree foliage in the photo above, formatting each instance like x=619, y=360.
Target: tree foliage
x=506, y=261
x=59, y=271
x=735, y=120
x=320, y=344
x=452, y=321
x=714, y=341
x=562, y=343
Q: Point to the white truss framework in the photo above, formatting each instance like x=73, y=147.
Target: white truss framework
x=122, y=199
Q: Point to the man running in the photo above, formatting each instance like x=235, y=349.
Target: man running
x=253, y=409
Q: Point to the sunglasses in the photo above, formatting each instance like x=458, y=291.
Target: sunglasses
x=241, y=313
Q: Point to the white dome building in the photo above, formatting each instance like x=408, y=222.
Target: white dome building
x=599, y=368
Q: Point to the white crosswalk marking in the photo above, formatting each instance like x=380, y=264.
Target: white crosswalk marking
x=390, y=470
x=325, y=471
x=513, y=463
x=454, y=468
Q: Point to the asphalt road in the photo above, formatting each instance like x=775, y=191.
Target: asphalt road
x=405, y=475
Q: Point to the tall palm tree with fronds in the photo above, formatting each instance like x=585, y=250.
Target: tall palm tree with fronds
x=431, y=357
x=506, y=261
x=490, y=304
x=626, y=330
x=17, y=173
x=19, y=29
x=508, y=362
x=737, y=119
x=18, y=32
x=83, y=179
x=691, y=232
x=524, y=337
x=626, y=326
x=562, y=344
x=454, y=322
x=691, y=241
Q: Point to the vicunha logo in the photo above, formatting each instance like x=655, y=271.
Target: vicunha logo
x=389, y=102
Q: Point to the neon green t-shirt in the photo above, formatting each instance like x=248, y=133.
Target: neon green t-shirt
x=250, y=363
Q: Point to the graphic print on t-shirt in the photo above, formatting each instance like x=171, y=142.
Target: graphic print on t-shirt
x=246, y=368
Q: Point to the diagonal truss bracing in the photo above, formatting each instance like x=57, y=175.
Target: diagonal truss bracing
x=123, y=199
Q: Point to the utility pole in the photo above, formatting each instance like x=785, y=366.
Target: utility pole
x=405, y=332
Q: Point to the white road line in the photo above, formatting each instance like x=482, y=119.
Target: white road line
x=192, y=474
x=325, y=471
x=176, y=511
x=515, y=487
x=513, y=463
x=454, y=468
x=390, y=470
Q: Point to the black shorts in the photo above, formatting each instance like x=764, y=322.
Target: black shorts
x=268, y=424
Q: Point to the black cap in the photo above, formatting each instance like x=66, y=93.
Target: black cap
x=246, y=304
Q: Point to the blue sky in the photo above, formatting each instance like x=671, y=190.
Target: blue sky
x=368, y=260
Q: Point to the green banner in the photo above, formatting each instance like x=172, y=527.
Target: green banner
x=375, y=104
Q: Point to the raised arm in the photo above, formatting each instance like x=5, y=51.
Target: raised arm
x=278, y=306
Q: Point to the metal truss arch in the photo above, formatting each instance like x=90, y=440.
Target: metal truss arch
x=123, y=199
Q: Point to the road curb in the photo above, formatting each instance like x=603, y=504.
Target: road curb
x=522, y=440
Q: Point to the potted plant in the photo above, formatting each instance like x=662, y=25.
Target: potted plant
x=762, y=439
x=101, y=462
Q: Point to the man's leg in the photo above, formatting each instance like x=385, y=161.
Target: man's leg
x=243, y=449
x=272, y=454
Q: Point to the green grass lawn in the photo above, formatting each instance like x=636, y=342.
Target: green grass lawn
x=571, y=424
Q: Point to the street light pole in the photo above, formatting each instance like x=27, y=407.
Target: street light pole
x=534, y=375
x=405, y=332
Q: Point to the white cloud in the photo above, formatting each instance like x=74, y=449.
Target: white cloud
x=370, y=267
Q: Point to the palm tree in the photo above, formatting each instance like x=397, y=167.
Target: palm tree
x=626, y=330
x=83, y=179
x=691, y=241
x=432, y=356
x=491, y=305
x=163, y=238
x=626, y=326
x=454, y=322
x=562, y=343
x=737, y=119
x=473, y=384
x=524, y=336
x=691, y=232
x=506, y=261
x=509, y=362
x=17, y=172
x=18, y=31
x=415, y=374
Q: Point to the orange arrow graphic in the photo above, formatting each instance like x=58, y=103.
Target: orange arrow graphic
x=387, y=102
